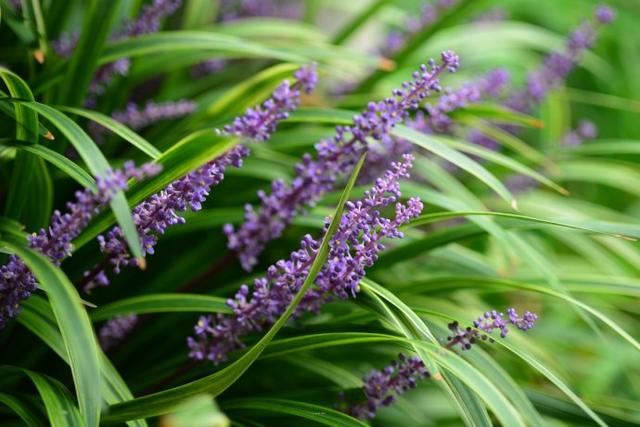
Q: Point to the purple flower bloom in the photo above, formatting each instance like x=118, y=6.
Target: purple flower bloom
x=336, y=157
x=114, y=330
x=17, y=283
x=137, y=118
x=381, y=386
x=354, y=247
x=160, y=211
x=465, y=338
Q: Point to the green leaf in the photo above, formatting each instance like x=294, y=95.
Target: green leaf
x=61, y=162
x=176, y=41
x=217, y=383
x=29, y=175
x=117, y=128
x=198, y=411
x=503, y=160
x=61, y=409
x=74, y=324
x=316, y=413
x=431, y=143
x=84, y=60
x=355, y=23
x=24, y=408
x=540, y=367
x=162, y=303
x=625, y=231
x=38, y=318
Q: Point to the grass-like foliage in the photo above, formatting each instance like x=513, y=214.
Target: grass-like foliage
x=319, y=212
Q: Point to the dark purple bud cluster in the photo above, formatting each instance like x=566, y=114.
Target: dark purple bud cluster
x=160, y=211
x=465, y=338
x=17, y=283
x=382, y=386
x=336, y=158
x=114, y=330
x=354, y=247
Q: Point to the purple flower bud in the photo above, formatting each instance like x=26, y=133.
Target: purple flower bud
x=354, y=247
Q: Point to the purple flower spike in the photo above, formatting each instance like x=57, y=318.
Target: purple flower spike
x=354, y=247
x=558, y=65
x=465, y=338
x=115, y=330
x=160, y=211
x=336, y=158
x=17, y=283
x=381, y=386
x=260, y=122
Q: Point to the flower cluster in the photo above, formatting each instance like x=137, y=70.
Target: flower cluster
x=551, y=74
x=260, y=122
x=336, y=158
x=17, y=283
x=153, y=216
x=115, y=329
x=138, y=118
x=381, y=386
x=491, y=320
x=354, y=247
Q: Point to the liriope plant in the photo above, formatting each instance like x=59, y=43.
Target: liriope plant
x=390, y=213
